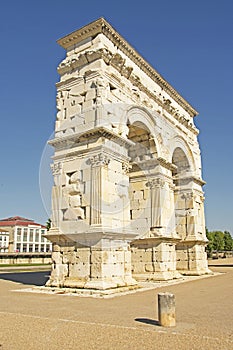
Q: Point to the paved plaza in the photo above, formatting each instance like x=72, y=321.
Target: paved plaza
x=32, y=321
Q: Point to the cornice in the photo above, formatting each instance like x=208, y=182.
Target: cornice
x=102, y=26
x=163, y=162
x=199, y=181
x=187, y=179
x=153, y=162
x=193, y=240
x=61, y=142
x=156, y=239
x=172, y=112
x=89, y=30
x=72, y=155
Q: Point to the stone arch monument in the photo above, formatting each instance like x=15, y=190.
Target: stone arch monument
x=127, y=200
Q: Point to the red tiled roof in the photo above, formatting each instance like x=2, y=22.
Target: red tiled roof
x=18, y=221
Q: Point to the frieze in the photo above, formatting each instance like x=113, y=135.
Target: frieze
x=159, y=100
x=102, y=26
x=118, y=62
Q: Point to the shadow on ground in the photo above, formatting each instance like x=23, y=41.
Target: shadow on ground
x=148, y=321
x=219, y=265
x=30, y=278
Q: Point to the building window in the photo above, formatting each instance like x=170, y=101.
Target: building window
x=18, y=235
x=31, y=235
x=36, y=247
x=48, y=248
x=18, y=247
x=42, y=237
x=24, y=248
x=25, y=235
x=37, y=235
x=30, y=248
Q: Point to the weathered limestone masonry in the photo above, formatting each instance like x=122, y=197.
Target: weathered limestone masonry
x=127, y=200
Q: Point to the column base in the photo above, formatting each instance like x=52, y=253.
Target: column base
x=104, y=262
x=154, y=259
x=192, y=258
x=157, y=276
x=111, y=284
x=196, y=272
x=92, y=284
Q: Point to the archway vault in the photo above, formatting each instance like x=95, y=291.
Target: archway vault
x=140, y=117
x=179, y=145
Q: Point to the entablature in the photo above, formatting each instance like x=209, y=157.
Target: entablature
x=63, y=142
x=184, y=180
x=102, y=26
x=118, y=62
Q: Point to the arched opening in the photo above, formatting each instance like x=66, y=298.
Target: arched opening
x=180, y=160
x=142, y=155
x=144, y=147
x=183, y=207
x=151, y=203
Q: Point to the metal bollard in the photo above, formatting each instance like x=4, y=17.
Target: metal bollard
x=166, y=309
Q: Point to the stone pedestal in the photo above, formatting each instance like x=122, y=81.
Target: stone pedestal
x=192, y=258
x=104, y=263
x=154, y=259
x=190, y=227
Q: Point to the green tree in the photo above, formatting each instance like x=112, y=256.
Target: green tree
x=210, y=245
x=218, y=240
x=228, y=241
x=48, y=224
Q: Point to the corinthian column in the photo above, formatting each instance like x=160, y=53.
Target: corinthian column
x=156, y=188
x=56, y=194
x=97, y=163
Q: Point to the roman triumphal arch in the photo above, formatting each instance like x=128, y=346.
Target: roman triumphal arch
x=127, y=200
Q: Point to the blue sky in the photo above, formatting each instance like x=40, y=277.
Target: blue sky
x=188, y=42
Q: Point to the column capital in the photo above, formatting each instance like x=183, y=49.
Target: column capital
x=56, y=168
x=171, y=186
x=158, y=182
x=99, y=159
x=126, y=167
x=187, y=195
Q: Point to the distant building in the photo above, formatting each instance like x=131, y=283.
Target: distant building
x=4, y=241
x=23, y=236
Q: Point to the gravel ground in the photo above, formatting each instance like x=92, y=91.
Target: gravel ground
x=204, y=314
